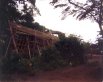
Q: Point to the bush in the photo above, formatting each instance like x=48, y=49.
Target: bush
x=68, y=51
x=36, y=63
x=72, y=50
x=25, y=65
x=9, y=64
x=51, y=59
x=15, y=63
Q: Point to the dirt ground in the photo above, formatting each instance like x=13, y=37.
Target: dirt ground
x=90, y=72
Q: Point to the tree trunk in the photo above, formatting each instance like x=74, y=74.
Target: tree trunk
x=100, y=18
x=4, y=28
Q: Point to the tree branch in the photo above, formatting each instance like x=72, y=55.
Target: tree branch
x=81, y=8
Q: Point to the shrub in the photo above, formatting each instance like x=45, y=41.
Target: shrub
x=15, y=63
x=36, y=63
x=9, y=64
x=51, y=58
x=67, y=51
x=71, y=49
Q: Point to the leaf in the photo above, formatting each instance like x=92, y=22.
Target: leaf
x=60, y=5
x=32, y=2
x=67, y=8
x=54, y=1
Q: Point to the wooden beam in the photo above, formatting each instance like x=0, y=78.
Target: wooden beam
x=28, y=46
x=13, y=38
x=8, y=47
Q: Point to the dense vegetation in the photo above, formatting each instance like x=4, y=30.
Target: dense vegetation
x=10, y=11
x=69, y=51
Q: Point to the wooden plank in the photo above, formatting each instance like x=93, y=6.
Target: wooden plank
x=33, y=32
x=28, y=47
x=8, y=46
x=13, y=38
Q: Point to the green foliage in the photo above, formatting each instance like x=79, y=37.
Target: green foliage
x=87, y=47
x=71, y=49
x=51, y=58
x=68, y=51
x=9, y=10
x=20, y=15
x=9, y=63
x=61, y=36
x=15, y=63
x=35, y=26
x=36, y=63
x=89, y=9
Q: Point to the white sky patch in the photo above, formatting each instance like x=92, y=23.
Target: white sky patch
x=51, y=18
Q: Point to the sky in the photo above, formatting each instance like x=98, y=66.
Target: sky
x=51, y=18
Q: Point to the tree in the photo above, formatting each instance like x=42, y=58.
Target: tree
x=71, y=49
x=92, y=9
x=100, y=44
x=6, y=15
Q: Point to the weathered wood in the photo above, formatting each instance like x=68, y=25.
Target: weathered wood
x=33, y=32
x=13, y=37
x=26, y=40
x=28, y=47
x=8, y=46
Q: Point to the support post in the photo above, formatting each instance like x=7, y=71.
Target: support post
x=28, y=46
x=8, y=46
x=13, y=37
